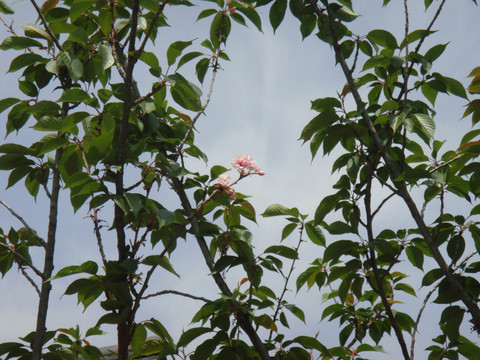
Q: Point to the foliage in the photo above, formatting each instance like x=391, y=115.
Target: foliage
x=108, y=143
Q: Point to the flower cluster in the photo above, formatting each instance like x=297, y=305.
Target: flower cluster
x=245, y=165
x=224, y=182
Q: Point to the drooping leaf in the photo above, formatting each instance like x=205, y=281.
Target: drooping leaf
x=277, y=13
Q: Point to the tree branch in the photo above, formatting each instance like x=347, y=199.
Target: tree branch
x=373, y=263
x=425, y=301
x=400, y=185
x=175, y=292
x=242, y=317
x=22, y=258
x=285, y=286
x=34, y=233
x=49, y=31
x=49, y=252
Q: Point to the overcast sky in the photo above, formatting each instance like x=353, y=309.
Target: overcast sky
x=259, y=106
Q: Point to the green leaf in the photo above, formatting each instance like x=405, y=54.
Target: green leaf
x=185, y=93
x=296, y=311
x=308, y=25
x=415, y=36
x=406, y=288
x=28, y=88
x=78, y=8
x=138, y=339
x=89, y=267
x=315, y=234
x=455, y=87
x=311, y=343
x=73, y=64
x=201, y=68
x=188, y=57
x=191, y=334
x=74, y=95
x=238, y=18
x=415, y=255
x=337, y=249
x=275, y=210
x=252, y=15
x=430, y=277
x=24, y=60
x=206, y=13
x=11, y=161
x=17, y=174
x=157, y=328
x=426, y=125
x=7, y=102
x=284, y=251
x=451, y=318
x=434, y=53
x=161, y=261
x=288, y=229
x=5, y=9
x=383, y=38
x=19, y=43
x=220, y=29
x=277, y=13
x=217, y=170
x=107, y=56
x=265, y=321
x=175, y=50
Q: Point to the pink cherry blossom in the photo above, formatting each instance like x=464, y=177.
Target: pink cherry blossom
x=224, y=180
x=244, y=164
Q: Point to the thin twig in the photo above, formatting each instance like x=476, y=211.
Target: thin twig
x=22, y=258
x=425, y=301
x=50, y=33
x=371, y=258
x=285, y=285
x=98, y=235
x=417, y=49
x=30, y=280
x=34, y=233
x=446, y=163
x=175, y=292
x=207, y=101
x=382, y=203
x=241, y=316
x=150, y=29
x=150, y=94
